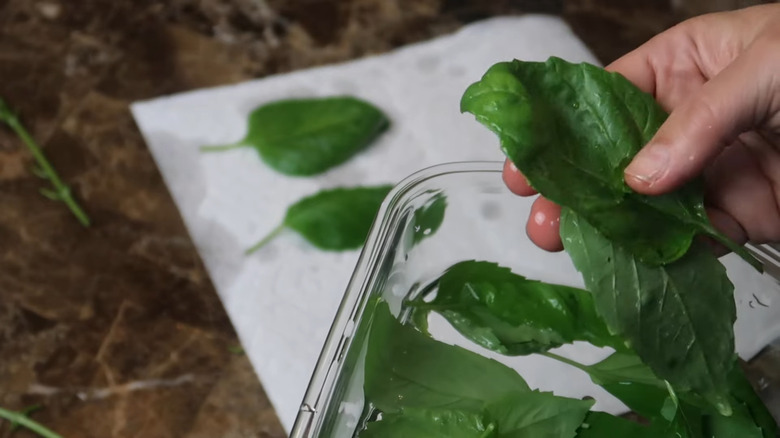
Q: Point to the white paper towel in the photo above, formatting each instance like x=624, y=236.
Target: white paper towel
x=283, y=299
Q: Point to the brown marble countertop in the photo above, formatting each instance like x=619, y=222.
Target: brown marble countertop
x=116, y=330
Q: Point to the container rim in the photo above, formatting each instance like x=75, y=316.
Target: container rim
x=329, y=364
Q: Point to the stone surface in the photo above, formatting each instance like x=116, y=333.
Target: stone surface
x=116, y=330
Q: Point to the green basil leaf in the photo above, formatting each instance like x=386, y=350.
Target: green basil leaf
x=643, y=399
x=624, y=368
x=690, y=419
x=738, y=425
x=339, y=218
x=303, y=137
x=426, y=423
x=427, y=219
x=627, y=378
x=681, y=418
x=335, y=219
x=602, y=425
x=743, y=392
x=572, y=129
x=534, y=414
x=510, y=314
x=679, y=318
x=406, y=369
x=632, y=382
x=689, y=422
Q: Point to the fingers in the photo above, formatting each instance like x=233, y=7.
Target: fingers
x=515, y=180
x=697, y=130
x=636, y=67
x=544, y=225
x=663, y=67
x=740, y=184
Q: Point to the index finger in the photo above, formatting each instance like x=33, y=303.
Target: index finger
x=637, y=68
x=515, y=180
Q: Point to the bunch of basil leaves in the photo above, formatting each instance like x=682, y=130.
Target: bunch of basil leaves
x=572, y=129
x=656, y=295
x=424, y=388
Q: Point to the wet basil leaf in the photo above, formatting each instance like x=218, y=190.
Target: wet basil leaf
x=303, y=137
x=427, y=219
x=535, y=414
x=407, y=369
x=627, y=378
x=623, y=368
x=572, y=129
x=416, y=381
x=738, y=425
x=602, y=425
x=425, y=423
x=335, y=219
x=689, y=422
x=508, y=313
x=679, y=318
x=744, y=394
x=646, y=400
x=632, y=382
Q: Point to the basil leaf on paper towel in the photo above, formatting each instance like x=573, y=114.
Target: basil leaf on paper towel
x=333, y=219
x=304, y=137
x=510, y=314
x=572, y=129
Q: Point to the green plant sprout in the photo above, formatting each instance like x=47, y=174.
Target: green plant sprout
x=20, y=419
x=59, y=191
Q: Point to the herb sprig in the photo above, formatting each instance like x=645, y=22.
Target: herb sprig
x=59, y=190
x=18, y=419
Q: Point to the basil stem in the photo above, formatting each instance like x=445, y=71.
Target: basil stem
x=60, y=192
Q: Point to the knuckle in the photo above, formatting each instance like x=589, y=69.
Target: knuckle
x=703, y=111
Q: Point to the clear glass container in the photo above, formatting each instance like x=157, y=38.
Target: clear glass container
x=483, y=221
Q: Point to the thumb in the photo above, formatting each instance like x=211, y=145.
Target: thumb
x=733, y=102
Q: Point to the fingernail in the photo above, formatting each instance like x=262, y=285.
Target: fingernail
x=649, y=165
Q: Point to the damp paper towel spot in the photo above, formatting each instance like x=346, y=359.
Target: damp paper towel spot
x=283, y=299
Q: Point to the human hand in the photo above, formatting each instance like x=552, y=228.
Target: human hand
x=719, y=77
